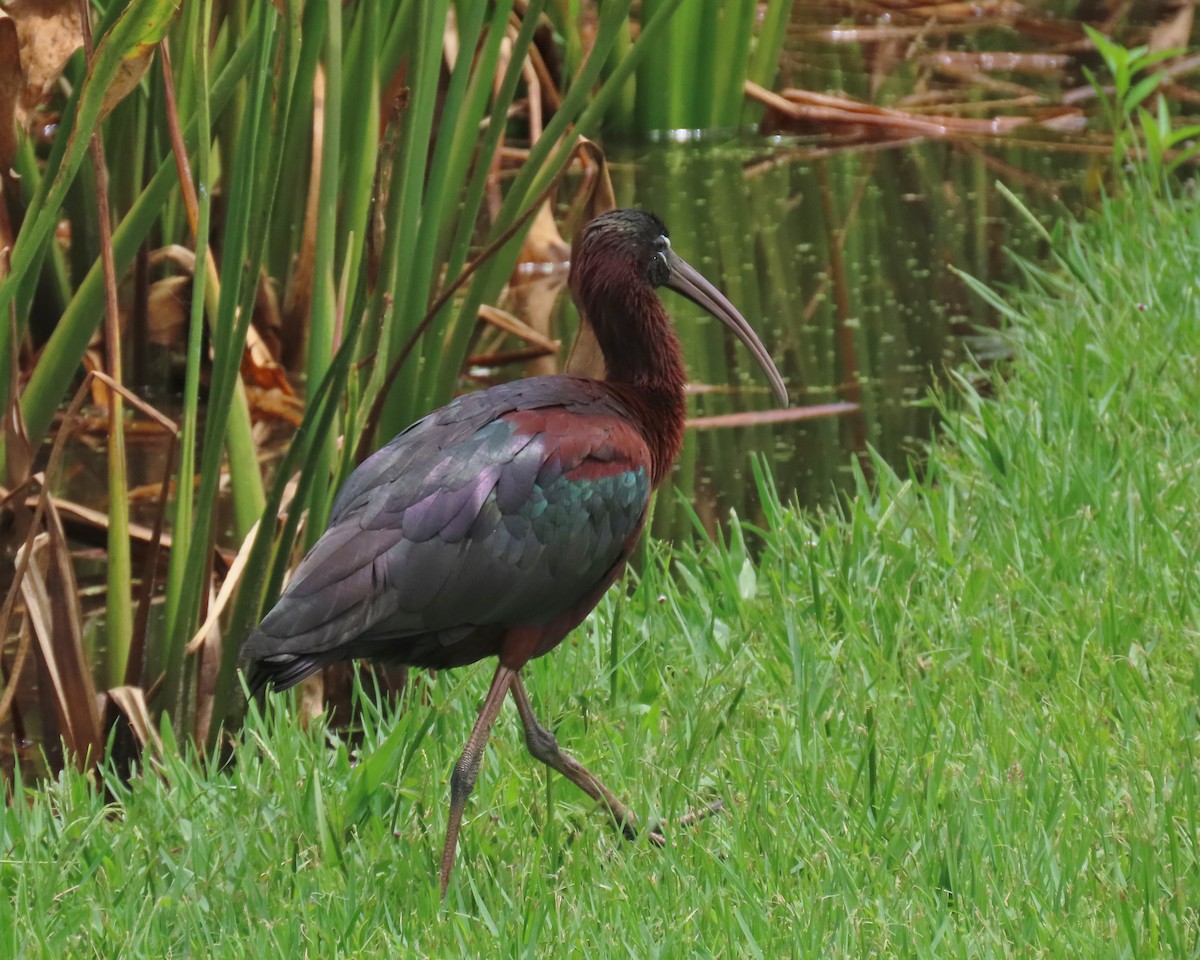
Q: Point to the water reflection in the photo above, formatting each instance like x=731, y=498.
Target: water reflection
x=842, y=262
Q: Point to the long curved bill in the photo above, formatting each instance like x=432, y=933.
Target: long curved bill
x=687, y=280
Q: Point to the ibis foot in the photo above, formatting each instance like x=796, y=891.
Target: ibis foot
x=543, y=746
x=689, y=819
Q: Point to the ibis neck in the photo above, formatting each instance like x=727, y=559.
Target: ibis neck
x=644, y=366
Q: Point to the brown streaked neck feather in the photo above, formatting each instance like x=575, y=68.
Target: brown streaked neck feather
x=644, y=365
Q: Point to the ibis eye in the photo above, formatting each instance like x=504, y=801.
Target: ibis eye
x=658, y=271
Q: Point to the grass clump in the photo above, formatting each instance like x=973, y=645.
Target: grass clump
x=958, y=718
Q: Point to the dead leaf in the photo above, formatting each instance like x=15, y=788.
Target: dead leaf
x=516, y=327
x=131, y=701
x=7, y=234
x=52, y=608
x=534, y=297
x=132, y=68
x=168, y=309
x=175, y=253
x=50, y=32
x=267, y=322
x=207, y=640
x=967, y=12
x=1175, y=31
x=297, y=302
x=543, y=243
x=19, y=455
x=450, y=39
x=586, y=358
x=272, y=403
x=259, y=370
x=807, y=108
x=11, y=83
x=93, y=359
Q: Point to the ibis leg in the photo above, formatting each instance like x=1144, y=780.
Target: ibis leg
x=467, y=768
x=543, y=746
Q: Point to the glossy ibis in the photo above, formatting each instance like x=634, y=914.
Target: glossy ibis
x=493, y=526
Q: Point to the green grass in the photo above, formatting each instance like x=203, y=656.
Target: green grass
x=958, y=720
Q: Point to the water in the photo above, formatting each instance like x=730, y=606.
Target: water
x=845, y=264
